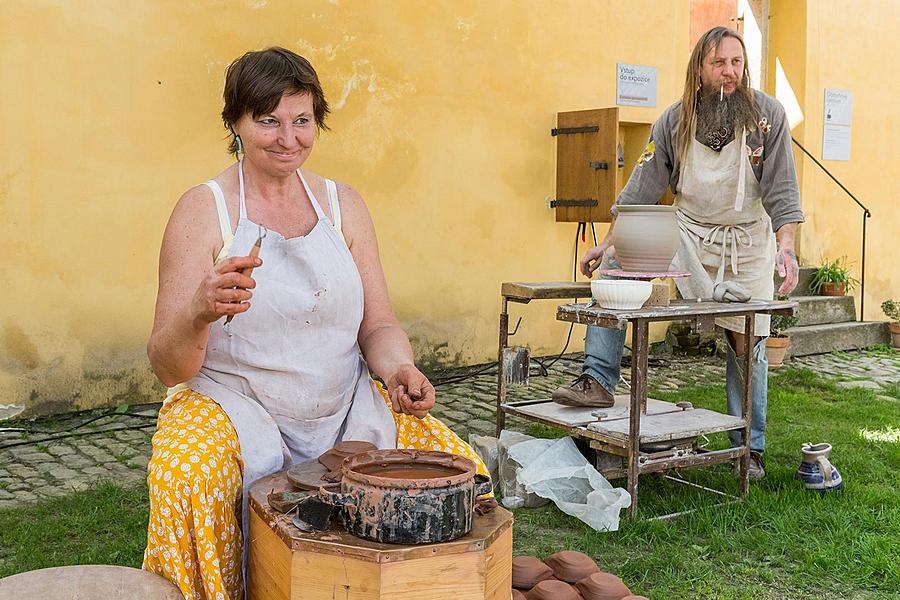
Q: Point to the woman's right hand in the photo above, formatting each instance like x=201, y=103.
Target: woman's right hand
x=226, y=289
x=594, y=257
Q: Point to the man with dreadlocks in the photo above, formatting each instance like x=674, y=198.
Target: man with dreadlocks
x=725, y=151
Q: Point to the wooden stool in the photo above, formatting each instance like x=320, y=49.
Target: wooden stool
x=286, y=563
x=89, y=582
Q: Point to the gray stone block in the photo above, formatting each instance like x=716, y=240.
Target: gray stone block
x=820, y=339
x=819, y=310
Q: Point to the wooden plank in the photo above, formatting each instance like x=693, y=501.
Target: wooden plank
x=672, y=426
x=317, y=576
x=460, y=576
x=269, y=563
x=574, y=416
x=546, y=290
x=589, y=313
x=498, y=558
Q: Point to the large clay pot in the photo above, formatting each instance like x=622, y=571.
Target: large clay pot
x=776, y=348
x=646, y=237
x=895, y=334
x=816, y=471
x=407, y=496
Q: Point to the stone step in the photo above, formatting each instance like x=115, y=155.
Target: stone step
x=802, y=289
x=821, y=339
x=819, y=310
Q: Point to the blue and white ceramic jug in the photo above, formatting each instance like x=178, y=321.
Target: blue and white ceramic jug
x=816, y=471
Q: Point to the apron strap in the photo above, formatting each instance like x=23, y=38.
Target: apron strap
x=740, y=238
x=742, y=173
x=224, y=221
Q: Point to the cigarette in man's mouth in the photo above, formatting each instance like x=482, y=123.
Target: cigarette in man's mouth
x=721, y=92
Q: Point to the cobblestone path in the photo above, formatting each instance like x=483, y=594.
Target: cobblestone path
x=118, y=446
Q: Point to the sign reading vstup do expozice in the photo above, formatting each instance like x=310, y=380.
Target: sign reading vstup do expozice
x=635, y=85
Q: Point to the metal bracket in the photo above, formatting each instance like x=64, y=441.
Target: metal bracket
x=565, y=130
x=599, y=165
x=588, y=202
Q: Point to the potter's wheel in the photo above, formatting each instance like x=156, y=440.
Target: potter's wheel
x=622, y=274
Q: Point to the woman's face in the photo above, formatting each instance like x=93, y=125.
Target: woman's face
x=280, y=141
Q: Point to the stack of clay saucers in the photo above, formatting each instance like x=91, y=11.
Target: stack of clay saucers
x=566, y=575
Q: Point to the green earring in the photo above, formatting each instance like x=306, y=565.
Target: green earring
x=238, y=145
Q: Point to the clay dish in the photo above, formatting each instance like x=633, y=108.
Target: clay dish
x=571, y=566
x=333, y=458
x=553, y=590
x=602, y=586
x=527, y=571
x=517, y=595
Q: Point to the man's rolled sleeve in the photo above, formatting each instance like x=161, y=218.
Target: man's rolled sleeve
x=780, y=191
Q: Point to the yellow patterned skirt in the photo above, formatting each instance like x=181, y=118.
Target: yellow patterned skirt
x=195, y=480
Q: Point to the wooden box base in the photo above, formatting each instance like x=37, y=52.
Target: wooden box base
x=286, y=563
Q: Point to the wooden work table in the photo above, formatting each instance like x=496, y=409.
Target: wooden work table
x=647, y=435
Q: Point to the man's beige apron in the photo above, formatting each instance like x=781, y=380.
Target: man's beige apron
x=726, y=234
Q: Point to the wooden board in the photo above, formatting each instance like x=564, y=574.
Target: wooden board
x=307, y=475
x=546, y=290
x=286, y=563
x=593, y=314
x=670, y=426
x=575, y=416
x=576, y=179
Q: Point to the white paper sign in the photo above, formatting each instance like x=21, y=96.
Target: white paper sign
x=837, y=121
x=635, y=85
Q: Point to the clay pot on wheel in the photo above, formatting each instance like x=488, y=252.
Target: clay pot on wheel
x=646, y=238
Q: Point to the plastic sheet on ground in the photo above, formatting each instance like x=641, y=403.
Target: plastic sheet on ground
x=559, y=472
x=514, y=494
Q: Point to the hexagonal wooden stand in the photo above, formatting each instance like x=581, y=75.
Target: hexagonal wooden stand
x=286, y=563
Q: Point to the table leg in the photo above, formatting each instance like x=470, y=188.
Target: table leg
x=500, y=417
x=639, y=358
x=746, y=411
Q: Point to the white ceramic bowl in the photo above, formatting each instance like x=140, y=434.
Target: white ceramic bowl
x=621, y=294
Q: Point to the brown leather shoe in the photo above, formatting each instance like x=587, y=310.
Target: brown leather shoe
x=584, y=391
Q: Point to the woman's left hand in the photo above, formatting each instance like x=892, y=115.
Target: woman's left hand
x=410, y=392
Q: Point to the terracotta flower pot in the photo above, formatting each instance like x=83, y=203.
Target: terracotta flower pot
x=895, y=334
x=646, y=238
x=776, y=347
x=833, y=289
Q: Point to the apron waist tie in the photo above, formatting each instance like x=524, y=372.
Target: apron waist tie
x=740, y=238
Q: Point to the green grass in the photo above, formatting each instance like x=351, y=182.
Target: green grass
x=779, y=542
x=102, y=525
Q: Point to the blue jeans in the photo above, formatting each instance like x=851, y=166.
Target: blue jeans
x=603, y=349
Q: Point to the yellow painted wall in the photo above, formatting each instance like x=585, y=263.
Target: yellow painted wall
x=826, y=45
x=442, y=112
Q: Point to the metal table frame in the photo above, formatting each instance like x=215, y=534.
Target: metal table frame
x=703, y=313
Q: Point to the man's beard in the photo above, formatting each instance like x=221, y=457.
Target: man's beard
x=718, y=119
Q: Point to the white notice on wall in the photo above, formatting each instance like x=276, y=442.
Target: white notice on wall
x=837, y=124
x=635, y=85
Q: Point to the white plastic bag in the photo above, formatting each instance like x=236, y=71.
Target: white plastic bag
x=487, y=448
x=513, y=493
x=560, y=473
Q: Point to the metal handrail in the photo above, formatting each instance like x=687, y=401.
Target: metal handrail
x=866, y=214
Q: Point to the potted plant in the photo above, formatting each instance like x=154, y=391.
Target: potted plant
x=833, y=279
x=892, y=310
x=778, y=342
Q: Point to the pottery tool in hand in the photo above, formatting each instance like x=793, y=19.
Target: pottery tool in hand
x=254, y=253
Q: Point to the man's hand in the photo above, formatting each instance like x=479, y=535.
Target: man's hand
x=786, y=261
x=593, y=257
x=787, y=267
x=410, y=392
